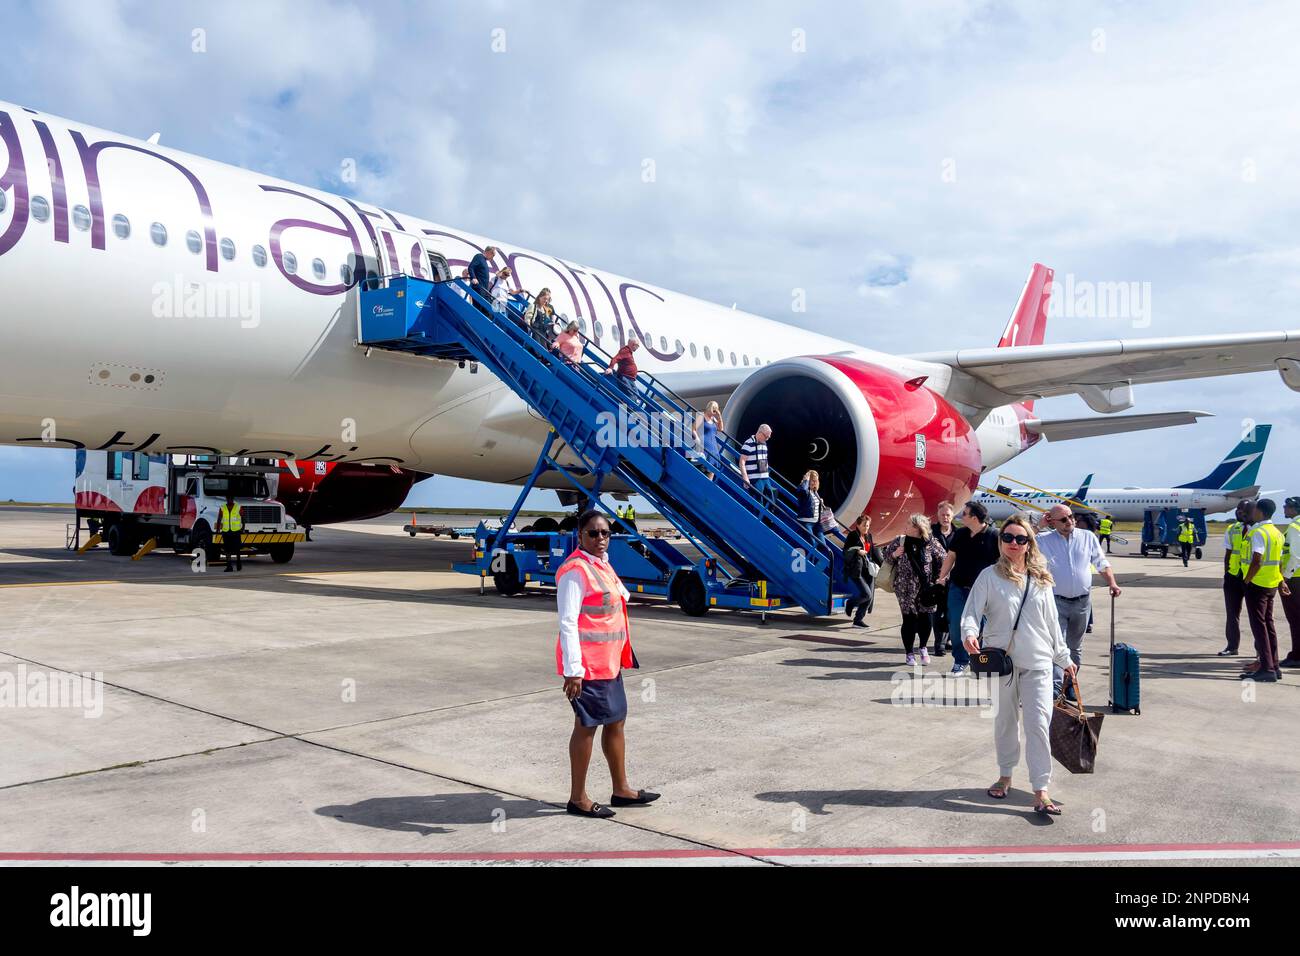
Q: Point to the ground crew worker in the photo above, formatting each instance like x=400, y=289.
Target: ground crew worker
x=1290, y=569
x=1186, y=538
x=1103, y=532
x=621, y=512
x=230, y=522
x=630, y=517
x=1235, y=540
x=594, y=646
x=1263, y=579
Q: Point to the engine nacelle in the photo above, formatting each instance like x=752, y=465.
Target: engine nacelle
x=880, y=444
x=324, y=492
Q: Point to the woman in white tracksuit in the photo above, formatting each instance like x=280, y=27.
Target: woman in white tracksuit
x=1020, y=577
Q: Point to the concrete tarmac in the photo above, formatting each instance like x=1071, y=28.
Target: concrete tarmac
x=364, y=703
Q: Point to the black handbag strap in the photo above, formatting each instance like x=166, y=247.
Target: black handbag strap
x=1024, y=599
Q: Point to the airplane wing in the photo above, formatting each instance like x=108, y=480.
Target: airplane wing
x=1103, y=373
x=1065, y=429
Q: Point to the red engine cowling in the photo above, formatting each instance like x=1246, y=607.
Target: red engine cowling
x=325, y=492
x=880, y=444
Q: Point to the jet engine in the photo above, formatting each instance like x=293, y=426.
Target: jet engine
x=880, y=443
x=325, y=492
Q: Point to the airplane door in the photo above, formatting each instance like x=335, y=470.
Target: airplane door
x=403, y=253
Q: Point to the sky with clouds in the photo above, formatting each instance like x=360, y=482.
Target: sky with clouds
x=902, y=164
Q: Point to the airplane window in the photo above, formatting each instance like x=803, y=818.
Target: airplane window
x=228, y=249
x=81, y=217
x=600, y=330
x=722, y=359
x=663, y=344
x=40, y=208
x=692, y=350
x=193, y=241
x=678, y=344
x=290, y=263
x=345, y=273
x=707, y=353
x=121, y=226
x=618, y=334
x=158, y=233
x=582, y=325
x=318, y=268
x=733, y=358
x=4, y=200
x=259, y=256
x=746, y=358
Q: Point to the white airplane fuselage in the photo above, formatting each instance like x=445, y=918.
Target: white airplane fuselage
x=1122, y=504
x=117, y=340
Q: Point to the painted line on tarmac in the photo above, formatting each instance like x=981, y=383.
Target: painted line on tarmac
x=56, y=584
x=1150, y=852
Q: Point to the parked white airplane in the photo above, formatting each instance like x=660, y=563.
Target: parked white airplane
x=156, y=301
x=1231, y=479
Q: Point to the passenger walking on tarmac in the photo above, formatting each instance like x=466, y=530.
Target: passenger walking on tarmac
x=1236, y=558
x=811, y=507
x=1290, y=569
x=594, y=646
x=860, y=554
x=624, y=364
x=753, y=463
x=1069, y=552
x=1263, y=579
x=569, y=344
x=974, y=548
x=942, y=530
x=1013, y=603
x=705, y=429
x=1186, y=538
x=230, y=522
x=916, y=557
x=1103, y=532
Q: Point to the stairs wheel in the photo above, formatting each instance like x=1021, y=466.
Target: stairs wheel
x=689, y=594
x=508, y=583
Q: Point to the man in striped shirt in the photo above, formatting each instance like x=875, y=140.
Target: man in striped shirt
x=753, y=462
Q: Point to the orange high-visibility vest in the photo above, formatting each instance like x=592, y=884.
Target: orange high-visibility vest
x=603, y=631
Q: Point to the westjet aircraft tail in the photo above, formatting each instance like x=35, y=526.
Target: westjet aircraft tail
x=1240, y=468
x=1082, y=493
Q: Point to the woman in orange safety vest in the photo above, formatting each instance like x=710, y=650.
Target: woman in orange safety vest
x=594, y=646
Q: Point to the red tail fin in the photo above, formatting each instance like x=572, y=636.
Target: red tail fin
x=1029, y=320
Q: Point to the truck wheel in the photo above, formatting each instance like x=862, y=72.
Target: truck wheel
x=546, y=524
x=282, y=553
x=688, y=593
x=1198, y=554
x=507, y=582
x=201, y=538
x=569, y=523
x=120, y=540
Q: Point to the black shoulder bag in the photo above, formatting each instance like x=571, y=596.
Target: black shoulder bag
x=995, y=660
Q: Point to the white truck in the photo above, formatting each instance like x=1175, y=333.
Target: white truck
x=132, y=497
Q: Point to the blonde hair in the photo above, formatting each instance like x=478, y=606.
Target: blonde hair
x=921, y=523
x=945, y=504
x=811, y=476
x=1035, y=563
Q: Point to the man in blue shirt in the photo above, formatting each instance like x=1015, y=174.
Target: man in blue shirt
x=1069, y=551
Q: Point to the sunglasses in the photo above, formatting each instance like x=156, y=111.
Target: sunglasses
x=1009, y=538
x=1069, y=518
x=600, y=533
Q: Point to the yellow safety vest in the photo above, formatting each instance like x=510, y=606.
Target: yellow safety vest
x=1187, y=535
x=1243, y=552
x=1269, y=574
x=1286, y=547
x=1105, y=526
x=622, y=512
x=631, y=513
x=230, y=521
x=1234, y=547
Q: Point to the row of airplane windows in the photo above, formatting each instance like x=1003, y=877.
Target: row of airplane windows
x=40, y=209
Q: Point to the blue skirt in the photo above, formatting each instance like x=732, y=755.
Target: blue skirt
x=601, y=702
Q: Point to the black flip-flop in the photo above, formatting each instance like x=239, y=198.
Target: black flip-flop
x=1005, y=790
x=1048, y=809
x=596, y=811
x=642, y=797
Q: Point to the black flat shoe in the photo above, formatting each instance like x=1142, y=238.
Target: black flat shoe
x=597, y=811
x=642, y=797
x=1227, y=652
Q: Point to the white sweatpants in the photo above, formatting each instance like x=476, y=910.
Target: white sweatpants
x=1028, y=693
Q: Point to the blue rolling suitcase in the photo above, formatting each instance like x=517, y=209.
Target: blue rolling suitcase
x=1125, y=683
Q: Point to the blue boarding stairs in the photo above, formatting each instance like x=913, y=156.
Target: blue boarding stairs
x=746, y=538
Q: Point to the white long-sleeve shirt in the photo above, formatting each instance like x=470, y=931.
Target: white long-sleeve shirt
x=1039, y=643
x=1068, y=559
x=570, y=589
